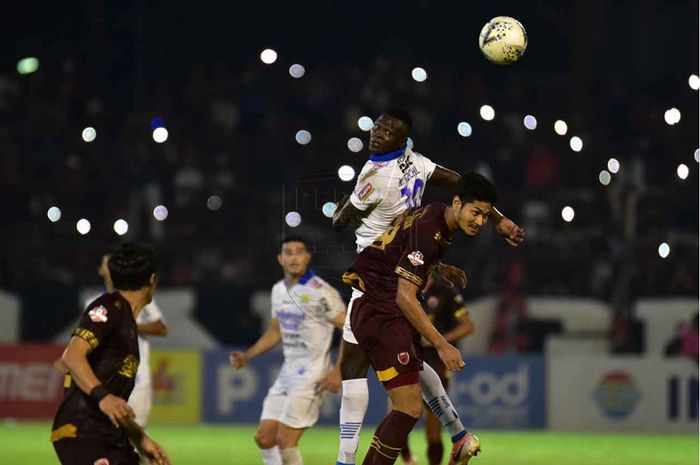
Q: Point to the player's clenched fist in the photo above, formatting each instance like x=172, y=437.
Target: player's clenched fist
x=116, y=408
x=451, y=357
x=238, y=360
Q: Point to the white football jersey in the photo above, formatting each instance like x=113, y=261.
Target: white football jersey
x=305, y=312
x=394, y=185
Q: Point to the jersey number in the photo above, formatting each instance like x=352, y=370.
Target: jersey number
x=413, y=196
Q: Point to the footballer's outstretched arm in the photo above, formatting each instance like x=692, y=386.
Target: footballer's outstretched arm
x=511, y=232
x=348, y=214
x=267, y=341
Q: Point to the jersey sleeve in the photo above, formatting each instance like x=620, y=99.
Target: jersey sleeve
x=419, y=257
x=97, y=322
x=150, y=314
x=368, y=188
x=332, y=302
x=426, y=165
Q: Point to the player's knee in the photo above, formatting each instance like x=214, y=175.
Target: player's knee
x=265, y=440
x=355, y=362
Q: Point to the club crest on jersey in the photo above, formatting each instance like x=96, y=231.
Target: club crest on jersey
x=365, y=192
x=403, y=358
x=416, y=258
x=102, y=461
x=98, y=315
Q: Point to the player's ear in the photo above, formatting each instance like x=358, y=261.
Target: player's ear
x=279, y=258
x=457, y=202
x=154, y=279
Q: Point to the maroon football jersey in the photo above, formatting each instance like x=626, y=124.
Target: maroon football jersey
x=409, y=250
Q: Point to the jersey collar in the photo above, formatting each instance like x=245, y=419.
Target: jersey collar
x=305, y=278
x=388, y=156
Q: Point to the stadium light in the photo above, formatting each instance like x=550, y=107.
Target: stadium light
x=329, y=208
x=89, y=134
x=293, y=219
x=530, y=122
x=672, y=116
x=487, y=112
x=346, y=173
x=121, y=227
x=682, y=171
x=464, y=129
x=419, y=74
x=365, y=123
x=302, y=137
x=664, y=250
x=214, y=203
x=567, y=214
x=268, y=56
x=560, y=127
x=355, y=144
x=694, y=82
x=613, y=165
x=54, y=214
x=27, y=65
x=576, y=144
x=696, y=155
x=296, y=71
x=604, y=177
x=83, y=226
x=160, y=135
x=160, y=213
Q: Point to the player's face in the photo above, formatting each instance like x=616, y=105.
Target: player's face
x=387, y=134
x=472, y=216
x=294, y=258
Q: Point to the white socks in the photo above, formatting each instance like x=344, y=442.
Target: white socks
x=435, y=396
x=271, y=456
x=291, y=456
x=353, y=406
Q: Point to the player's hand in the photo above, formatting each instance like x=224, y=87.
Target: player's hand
x=153, y=451
x=116, y=409
x=451, y=357
x=332, y=380
x=511, y=232
x=238, y=360
x=450, y=274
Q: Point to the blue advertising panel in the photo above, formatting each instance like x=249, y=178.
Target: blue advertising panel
x=501, y=392
x=237, y=395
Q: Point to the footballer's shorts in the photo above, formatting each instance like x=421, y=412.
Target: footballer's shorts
x=88, y=451
x=431, y=357
x=295, y=408
x=391, y=343
x=348, y=335
x=140, y=400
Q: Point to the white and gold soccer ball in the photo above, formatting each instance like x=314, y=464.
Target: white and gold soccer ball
x=503, y=40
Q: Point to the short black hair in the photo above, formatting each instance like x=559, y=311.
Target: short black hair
x=131, y=266
x=293, y=238
x=401, y=115
x=472, y=186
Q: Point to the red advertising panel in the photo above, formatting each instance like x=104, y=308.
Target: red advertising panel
x=30, y=387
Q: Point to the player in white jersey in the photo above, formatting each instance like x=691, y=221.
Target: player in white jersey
x=149, y=322
x=305, y=309
x=392, y=181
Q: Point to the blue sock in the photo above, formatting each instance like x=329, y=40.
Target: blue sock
x=459, y=436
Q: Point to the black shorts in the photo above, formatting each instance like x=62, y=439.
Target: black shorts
x=82, y=451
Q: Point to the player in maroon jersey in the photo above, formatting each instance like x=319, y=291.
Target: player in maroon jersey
x=388, y=320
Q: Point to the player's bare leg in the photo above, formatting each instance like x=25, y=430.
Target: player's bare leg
x=266, y=439
x=288, y=443
x=353, y=402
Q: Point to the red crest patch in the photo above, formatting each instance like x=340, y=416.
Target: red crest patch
x=98, y=315
x=403, y=358
x=102, y=461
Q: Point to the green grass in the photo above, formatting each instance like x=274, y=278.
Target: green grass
x=28, y=444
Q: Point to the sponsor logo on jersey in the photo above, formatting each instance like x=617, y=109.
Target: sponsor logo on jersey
x=403, y=358
x=365, y=192
x=433, y=302
x=416, y=258
x=129, y=366
x=437, y=236
x=98, y=315
x=315, y=283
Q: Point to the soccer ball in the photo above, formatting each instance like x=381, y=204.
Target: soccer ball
x=503, y=40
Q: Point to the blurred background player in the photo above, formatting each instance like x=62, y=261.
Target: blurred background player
x=305, y=308
x=391, y=181
x=444, y=306
x=149, y=322
x=94, y=424
x=389, y=322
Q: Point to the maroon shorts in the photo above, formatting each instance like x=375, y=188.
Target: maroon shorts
x=391, y=343
x=431, y=357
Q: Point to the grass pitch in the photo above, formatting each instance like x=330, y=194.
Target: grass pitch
x=28, y=444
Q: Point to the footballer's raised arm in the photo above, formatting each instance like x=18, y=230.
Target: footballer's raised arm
x=348, y=214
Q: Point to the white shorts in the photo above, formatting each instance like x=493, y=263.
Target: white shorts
x=347, y=331
x=294, y=409
x=140, y=400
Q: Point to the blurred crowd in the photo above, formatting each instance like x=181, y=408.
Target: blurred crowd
x=231, y=169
